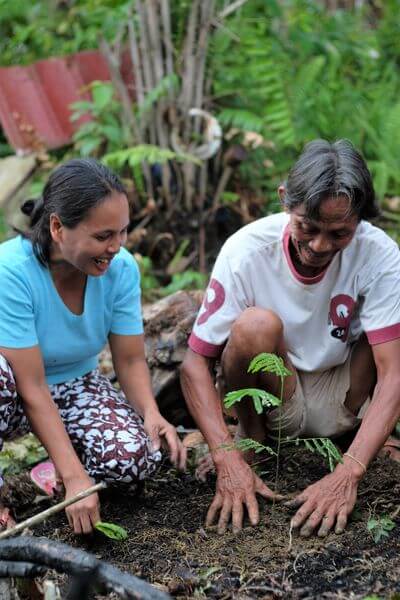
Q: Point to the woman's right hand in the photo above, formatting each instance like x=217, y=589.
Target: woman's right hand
x=83, y=515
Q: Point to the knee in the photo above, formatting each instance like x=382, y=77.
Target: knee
x=258, y=326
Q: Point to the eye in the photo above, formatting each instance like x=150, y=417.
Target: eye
x=102, y=237
x=339, y=235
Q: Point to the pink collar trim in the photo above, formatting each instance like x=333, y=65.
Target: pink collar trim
x=301, y=278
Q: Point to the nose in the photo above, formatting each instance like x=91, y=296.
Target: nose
x=321, y=244
x=114, y=245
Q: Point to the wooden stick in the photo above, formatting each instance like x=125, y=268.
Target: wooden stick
x=42, y=516
x=231, y=8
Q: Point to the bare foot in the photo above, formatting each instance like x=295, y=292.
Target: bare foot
x=391, y=449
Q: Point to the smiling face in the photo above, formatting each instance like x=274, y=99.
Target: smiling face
x=315, y=242
x=91, y=245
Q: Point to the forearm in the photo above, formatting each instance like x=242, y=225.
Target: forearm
x=46, y=423
x=204, y=404
x=134, y=378
x=379, y=419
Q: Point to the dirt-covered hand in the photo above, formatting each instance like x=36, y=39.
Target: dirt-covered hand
x=162, y=433
x=237, y=486
x=82, y=515
x=326, y=504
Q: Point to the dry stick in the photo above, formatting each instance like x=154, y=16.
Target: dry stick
x=146, y=66
x=167, y=40
x=187, y=97
x=113, y=65
x=49, y=512
x=140, y=93
x=231, y=8
x=154, y=29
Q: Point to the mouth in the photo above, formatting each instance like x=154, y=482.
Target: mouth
x=102, y=263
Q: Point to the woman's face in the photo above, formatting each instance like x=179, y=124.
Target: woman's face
x=316, y=242
x=93, y=243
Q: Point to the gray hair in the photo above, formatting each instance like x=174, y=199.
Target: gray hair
x=327, y=169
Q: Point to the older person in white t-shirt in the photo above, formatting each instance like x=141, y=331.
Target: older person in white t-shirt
x=318, y=285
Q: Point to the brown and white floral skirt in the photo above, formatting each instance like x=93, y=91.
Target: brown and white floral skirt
x=106, y=432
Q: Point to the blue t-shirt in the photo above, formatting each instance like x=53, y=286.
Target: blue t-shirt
x=33, y=313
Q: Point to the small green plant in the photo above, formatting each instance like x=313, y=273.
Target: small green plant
x=114, y=532
x=380, y=527
x=271, y=363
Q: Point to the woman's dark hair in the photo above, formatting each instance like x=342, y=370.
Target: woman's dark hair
x=70, y=192
x=327, y=169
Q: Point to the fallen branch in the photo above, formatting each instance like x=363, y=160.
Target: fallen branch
x=72, y=561
x=45, y=514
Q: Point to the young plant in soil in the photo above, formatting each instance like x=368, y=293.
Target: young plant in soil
x=271, y=363
x=380, y=527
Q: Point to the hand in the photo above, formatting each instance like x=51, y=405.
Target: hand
x=162, y=433
x=327, y=503
x=237, y=485
x=83, y=515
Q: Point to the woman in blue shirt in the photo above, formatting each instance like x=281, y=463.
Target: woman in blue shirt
x=67, y=287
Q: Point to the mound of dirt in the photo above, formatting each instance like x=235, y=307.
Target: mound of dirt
x=168, y=546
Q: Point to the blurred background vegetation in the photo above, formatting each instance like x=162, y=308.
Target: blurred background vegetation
x=281, y=72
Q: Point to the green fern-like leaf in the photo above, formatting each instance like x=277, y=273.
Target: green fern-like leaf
x=241, y=119
x=247, y=444
x=261, y=398
x=322, y=446
x=267, y=362
x=145, y=153
x=162, y=89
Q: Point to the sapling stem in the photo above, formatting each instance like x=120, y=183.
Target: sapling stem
x=45, y=514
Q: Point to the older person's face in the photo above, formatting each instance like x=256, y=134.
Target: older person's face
x=316, y=242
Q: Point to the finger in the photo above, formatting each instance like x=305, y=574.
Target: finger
x=205, y=465
x=311, y=524
x=76, y=524
x=69, y=518
x=302, y=514
x=182, y=457
x=224, y=516
x=252, y=509
x=212, y=511
x=172, y=441
x=237, y=516
x=86, y=525
x=155, y=442
x=267, y=493
x=341, y=522
x=328, y=522
x=296, y=502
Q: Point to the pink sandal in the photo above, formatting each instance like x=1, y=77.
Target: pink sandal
x=45, y=477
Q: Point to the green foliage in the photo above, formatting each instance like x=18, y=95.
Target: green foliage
x=189, y=280
x=261, y=398
x=30, y=31
x=380, y=527
x=293, y=71
x=114, y=532
x=3, y=227
x=268, y=363
x=247, y=444
x=20, y=454
x=322, y=446
x=167, y=85
x=145, y=153
x=105, y=131
x=149, y=283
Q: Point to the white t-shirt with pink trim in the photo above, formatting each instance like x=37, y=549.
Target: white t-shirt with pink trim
x=359, y=291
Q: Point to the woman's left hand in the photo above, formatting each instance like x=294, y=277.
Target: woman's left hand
x=162, y=433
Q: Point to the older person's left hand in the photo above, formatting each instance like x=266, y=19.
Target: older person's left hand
x=327, y=503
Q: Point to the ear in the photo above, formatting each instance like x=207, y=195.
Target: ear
x=56, y=228
x=281, y=194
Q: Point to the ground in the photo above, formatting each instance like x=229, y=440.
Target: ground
x=168, y=546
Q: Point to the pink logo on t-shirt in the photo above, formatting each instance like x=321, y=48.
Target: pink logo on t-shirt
x=214, y=299
x=340, y=312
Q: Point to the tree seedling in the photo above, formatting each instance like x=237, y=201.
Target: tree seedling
x=380, y=527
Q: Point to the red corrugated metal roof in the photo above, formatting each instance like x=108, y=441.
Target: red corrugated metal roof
x=35, y=100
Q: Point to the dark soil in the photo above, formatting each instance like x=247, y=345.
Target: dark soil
x=168, y=546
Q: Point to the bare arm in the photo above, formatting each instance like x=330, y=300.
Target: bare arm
x=332, y=498
x=134, y=378
x=236, y=482
x=43, y=415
